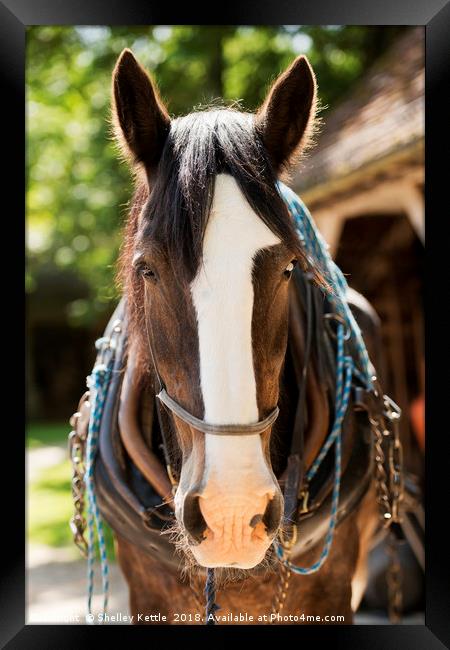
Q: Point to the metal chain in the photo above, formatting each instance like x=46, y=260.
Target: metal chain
x=381, y=479
x=77, y=448
x=389, y=484
x=396, y=476
x=279, y=599
x=390, y=494
x=394, y=580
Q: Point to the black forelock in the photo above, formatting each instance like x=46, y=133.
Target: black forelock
x=198, y=147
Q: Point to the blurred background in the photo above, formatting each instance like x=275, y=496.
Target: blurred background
x=363, y=182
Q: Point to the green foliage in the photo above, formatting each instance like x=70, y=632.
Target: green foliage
x=77, y=188
x=43, y=434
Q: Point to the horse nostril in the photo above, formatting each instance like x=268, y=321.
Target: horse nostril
x=193, y=520
x=272, y=515
x=255, y=520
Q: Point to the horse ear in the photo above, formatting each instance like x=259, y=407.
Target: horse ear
x=286, y=118
x=140, y=118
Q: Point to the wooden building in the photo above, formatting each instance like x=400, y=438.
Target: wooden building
x=364, y=184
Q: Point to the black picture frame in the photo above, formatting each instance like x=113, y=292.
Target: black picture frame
x=15, y=16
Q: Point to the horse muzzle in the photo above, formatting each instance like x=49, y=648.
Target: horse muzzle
x=231, y=529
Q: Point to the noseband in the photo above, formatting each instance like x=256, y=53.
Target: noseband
x=217, y=429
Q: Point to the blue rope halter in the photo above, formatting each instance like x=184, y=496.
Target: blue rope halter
x=317, y=252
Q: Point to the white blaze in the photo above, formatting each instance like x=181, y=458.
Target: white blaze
x=222, y=294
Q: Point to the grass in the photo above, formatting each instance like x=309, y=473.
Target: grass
x=49, y=502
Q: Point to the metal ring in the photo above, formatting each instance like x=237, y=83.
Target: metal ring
x=339, y=319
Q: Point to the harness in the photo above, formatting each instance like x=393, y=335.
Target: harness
x=126, y=482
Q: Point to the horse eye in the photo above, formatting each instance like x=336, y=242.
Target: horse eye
x=147, y=273
x=290, y=267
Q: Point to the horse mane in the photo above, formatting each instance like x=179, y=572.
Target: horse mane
x=174, y=214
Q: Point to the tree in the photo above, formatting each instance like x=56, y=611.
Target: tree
x=77, y=190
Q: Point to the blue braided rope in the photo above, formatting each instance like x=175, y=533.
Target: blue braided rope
x=341, y=397
x=98, y=385
x=344, y=371
x=317, y=250
x=210, y=593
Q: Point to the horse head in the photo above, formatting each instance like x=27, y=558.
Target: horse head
x=209, y=252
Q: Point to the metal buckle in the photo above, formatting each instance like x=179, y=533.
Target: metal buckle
x=359, y=403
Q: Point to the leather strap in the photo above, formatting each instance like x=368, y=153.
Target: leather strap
x=355, y=482
x=217, y=429
x=143, y=457
x=295, y=464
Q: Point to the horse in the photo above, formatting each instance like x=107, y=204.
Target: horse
x=214, y=277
